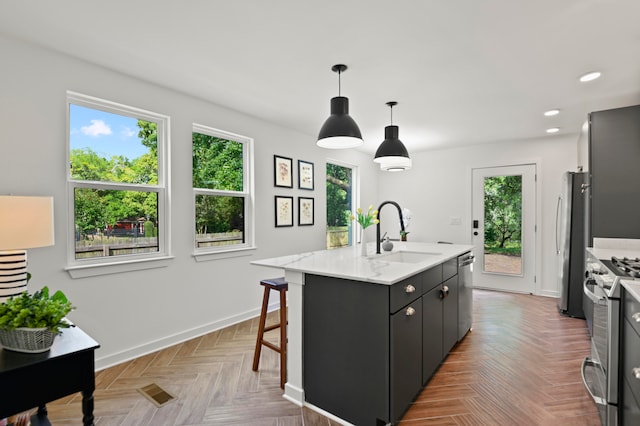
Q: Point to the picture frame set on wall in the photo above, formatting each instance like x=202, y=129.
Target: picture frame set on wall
x=305, y=211
x=282, y=171
x=284, y=205
x=283, y=211
x=305, y=175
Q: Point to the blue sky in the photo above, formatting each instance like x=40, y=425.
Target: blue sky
x=105, y=133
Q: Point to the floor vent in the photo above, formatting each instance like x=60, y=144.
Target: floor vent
x=156, y=394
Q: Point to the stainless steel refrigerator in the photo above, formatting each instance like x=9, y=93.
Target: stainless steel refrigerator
x=570, y=243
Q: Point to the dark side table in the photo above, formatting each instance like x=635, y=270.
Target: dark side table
x=32, y=380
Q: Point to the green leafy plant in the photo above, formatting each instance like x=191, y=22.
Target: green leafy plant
x=37, y=310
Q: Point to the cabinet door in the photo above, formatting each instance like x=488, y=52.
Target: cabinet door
x=630, y=410
x=346, y=348
x=431, y=332
x=450, y=315
x=406, y=357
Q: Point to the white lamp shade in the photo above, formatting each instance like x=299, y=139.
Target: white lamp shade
x=394, y=164
x=25, y=222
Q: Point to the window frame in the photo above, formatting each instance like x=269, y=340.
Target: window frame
x=79, y=268
x=247, y=193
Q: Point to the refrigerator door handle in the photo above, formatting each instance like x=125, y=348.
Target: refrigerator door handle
x=557, y=222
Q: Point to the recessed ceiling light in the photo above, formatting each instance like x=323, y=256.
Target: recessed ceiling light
x=553, y=130
x=590, y=76
x=552, y=112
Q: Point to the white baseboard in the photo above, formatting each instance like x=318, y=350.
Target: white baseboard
x=174, y=339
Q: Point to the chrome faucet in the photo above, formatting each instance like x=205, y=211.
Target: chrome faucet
x=378, y=225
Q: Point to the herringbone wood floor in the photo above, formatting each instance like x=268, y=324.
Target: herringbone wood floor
x=519, y=366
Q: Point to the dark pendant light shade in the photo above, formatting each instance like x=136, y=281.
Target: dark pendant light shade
x=392, y=154
x=340, y=130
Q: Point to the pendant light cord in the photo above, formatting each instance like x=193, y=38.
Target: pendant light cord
x=339, y=85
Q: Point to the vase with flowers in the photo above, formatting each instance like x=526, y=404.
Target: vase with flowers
x=365, y=220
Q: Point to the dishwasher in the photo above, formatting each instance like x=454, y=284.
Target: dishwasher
x=465, y=293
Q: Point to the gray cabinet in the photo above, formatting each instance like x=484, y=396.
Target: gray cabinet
x=439, y=318
x=449, y=314
x=630, y=361
x=432, y=343
x=613, y=174
x=406, y=357
x=368, y=349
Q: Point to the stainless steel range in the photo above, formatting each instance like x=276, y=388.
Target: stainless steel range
x=602, y=311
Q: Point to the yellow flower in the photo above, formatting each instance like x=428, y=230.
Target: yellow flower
x=368, y=219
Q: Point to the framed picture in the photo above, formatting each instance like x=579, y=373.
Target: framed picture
x=282, y=171
x=305, y=211
x=305, y=175
x=284, y=211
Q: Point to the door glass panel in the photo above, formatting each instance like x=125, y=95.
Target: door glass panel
x=503, y=224
x=339, y=205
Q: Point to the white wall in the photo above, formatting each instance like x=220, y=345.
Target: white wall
x=438, y=187
x=133, y=313
x=137, y=312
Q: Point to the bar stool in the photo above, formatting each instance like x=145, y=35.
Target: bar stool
x=281, y=286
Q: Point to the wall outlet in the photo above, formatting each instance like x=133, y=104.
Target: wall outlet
x=455, y=220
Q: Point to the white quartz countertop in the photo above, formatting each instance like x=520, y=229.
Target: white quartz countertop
x=384, y=268
x=633, y=287
x=606, y=253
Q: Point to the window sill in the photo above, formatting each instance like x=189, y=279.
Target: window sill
x=84, y=271
x=227, y=254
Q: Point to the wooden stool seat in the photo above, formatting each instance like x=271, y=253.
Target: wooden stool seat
x=280, y=285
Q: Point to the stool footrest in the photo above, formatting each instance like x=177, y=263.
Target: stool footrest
x=271, y=327
x=272, y=346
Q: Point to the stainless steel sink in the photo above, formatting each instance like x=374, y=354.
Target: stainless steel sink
x=408, y=256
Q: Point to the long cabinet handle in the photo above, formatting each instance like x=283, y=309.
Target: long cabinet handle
x=557, y=223
x=588, y=362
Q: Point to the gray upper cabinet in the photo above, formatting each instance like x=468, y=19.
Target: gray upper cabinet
x=614, y=150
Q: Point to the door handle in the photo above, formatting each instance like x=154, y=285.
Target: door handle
x=557, y=222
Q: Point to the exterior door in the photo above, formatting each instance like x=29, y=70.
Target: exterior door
x=503, y=228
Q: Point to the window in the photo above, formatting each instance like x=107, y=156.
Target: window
x=222, y=188
x=340, y=201
x=117, y=182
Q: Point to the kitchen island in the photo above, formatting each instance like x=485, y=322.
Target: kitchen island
x=366, y=333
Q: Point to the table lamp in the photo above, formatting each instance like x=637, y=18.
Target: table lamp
x=25, y=222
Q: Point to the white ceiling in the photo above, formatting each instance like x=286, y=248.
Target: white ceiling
x=462, y=71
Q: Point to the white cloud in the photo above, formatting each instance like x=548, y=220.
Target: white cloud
x=97, y=128
x=126, y=132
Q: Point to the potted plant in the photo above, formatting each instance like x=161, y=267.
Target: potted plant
x=403, y=235
x=30, y=322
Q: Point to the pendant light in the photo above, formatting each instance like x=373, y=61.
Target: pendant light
x=392, y=154
x=340, y=130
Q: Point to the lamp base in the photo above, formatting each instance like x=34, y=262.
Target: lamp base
x=13, y=273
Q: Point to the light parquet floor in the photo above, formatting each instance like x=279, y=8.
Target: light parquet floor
x=519, y=366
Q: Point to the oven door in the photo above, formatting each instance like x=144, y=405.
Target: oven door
x=594, y=367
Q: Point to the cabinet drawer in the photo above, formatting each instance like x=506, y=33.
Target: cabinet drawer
x=632, y=311
x=630, y=411
x=405, y=292
x=631, y=357
x=431, y=278
x=449, y=268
